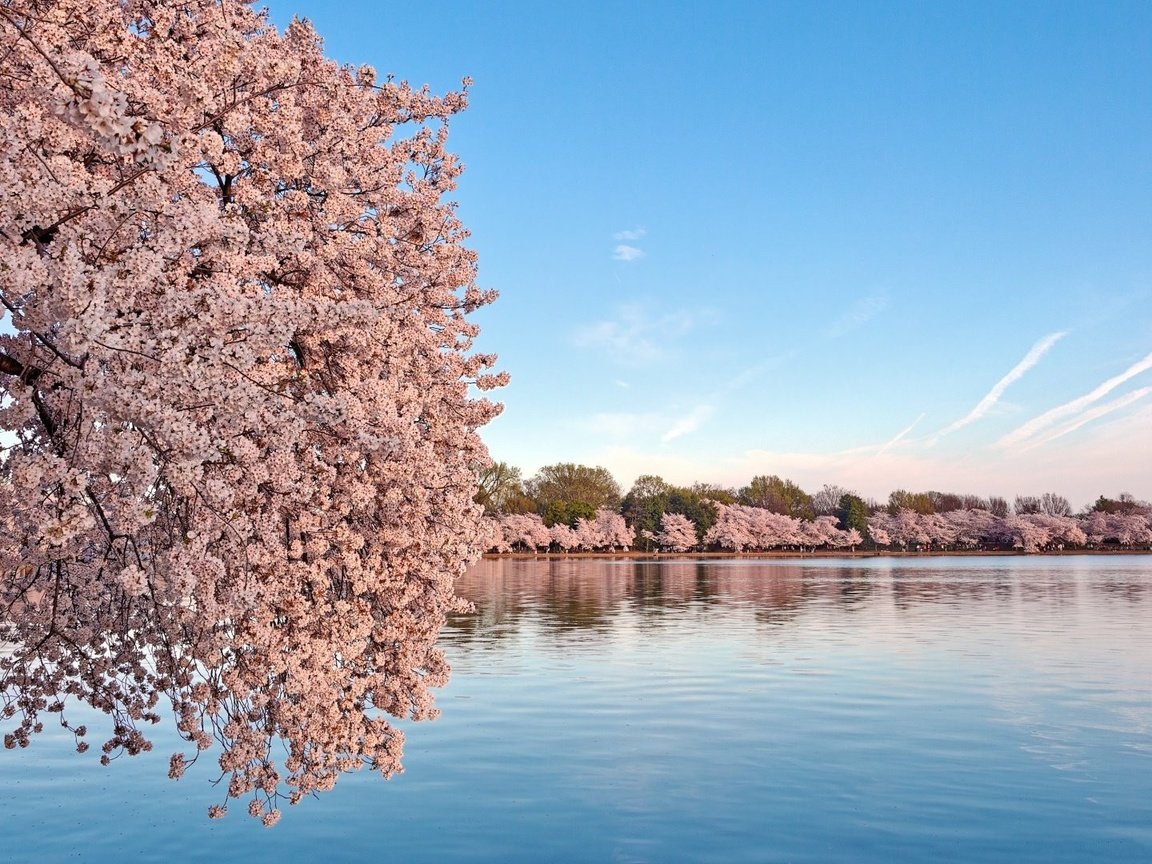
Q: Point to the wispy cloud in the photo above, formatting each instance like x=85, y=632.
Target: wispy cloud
x=1022, y=433
x=631, y=234
x=859, y=314
x=624, y=252
x=899, y=435
x=690, y=422
x=644, y=426
x=993, y=396
x=751, y=373
x=636, y=336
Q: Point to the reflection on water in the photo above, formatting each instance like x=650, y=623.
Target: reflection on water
x=884, y=709
x=874, y=710
x=589, y=592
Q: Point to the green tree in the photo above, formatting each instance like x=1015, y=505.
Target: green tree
x=644, y=504
x=650, y=497
x=566, y=491
x=1125, y=503
x=779, y=496
x=917, y=502
x=500, y=489
x=711, y=492
x=566, y=512
x=852, y=513
x=694, y=502
x=945, y=502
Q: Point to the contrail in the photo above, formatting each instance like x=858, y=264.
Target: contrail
x=984, y=405
x=1052, y=415
x=899, y=436
x=1093, y=414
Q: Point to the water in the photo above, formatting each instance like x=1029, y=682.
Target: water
x=941, y=709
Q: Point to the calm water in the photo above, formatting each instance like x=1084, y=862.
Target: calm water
x=990, y=710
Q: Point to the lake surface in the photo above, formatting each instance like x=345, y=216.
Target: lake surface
x=934, y=709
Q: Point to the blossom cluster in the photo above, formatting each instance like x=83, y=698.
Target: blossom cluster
x=1028, y=532
x=93, y=107
x=739, y=527
x=677, y=533
x=606, y=531
x=744, y=528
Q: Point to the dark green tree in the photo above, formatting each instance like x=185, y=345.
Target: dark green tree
x=852, y=513
x=567, y=512
x=644, y=504
x=711, y=492
x=695, y=502
x=1124, y=503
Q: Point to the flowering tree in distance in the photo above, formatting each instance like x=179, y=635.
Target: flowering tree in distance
x=677, y=532
x=239, y=445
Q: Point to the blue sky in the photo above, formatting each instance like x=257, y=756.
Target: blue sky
x=882, y=245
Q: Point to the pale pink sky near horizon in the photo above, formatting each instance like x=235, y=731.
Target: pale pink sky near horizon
x=1119, y=460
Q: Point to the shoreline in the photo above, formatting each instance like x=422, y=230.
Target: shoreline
x=821, y=553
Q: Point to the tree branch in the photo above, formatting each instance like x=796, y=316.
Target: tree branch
x=9, y=365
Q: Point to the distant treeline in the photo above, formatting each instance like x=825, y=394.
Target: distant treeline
x=570, y=507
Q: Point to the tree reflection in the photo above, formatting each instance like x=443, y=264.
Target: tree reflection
x=855, y=588
x=587, y=592
x=590, y=593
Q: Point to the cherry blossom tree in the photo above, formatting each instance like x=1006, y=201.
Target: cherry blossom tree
x=564, y=537
x=882, y=530
x=606, y=530
x=1130, y=529
x=236, y=390
x=971, y=528
x=730, y=530
x=523, y=531
x=677, y=532
x=1062, y=530
x=741, y=526
x=1026, y=533
x=773, y=530
x=587, y=534
x=910, y=528
x=879, y=534
x=822, y=531
x=1096, y=525
x=492, y=535
x=613, y=530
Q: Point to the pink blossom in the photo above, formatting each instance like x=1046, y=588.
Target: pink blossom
x=677, y=532
x=241, y=387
